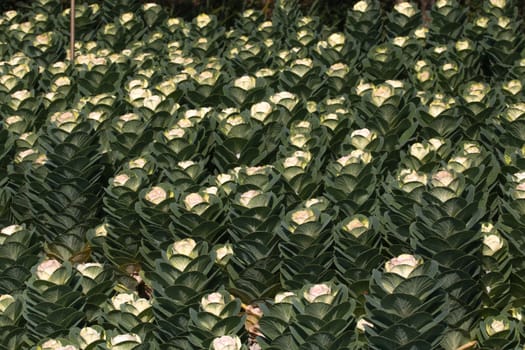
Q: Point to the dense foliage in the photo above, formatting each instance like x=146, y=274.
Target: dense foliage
x=273, y=185
x=330, y=12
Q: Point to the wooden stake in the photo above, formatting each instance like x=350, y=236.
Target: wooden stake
x=468, y=345
x=72, y=32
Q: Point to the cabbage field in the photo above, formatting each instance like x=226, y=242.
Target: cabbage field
x=282, y=183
